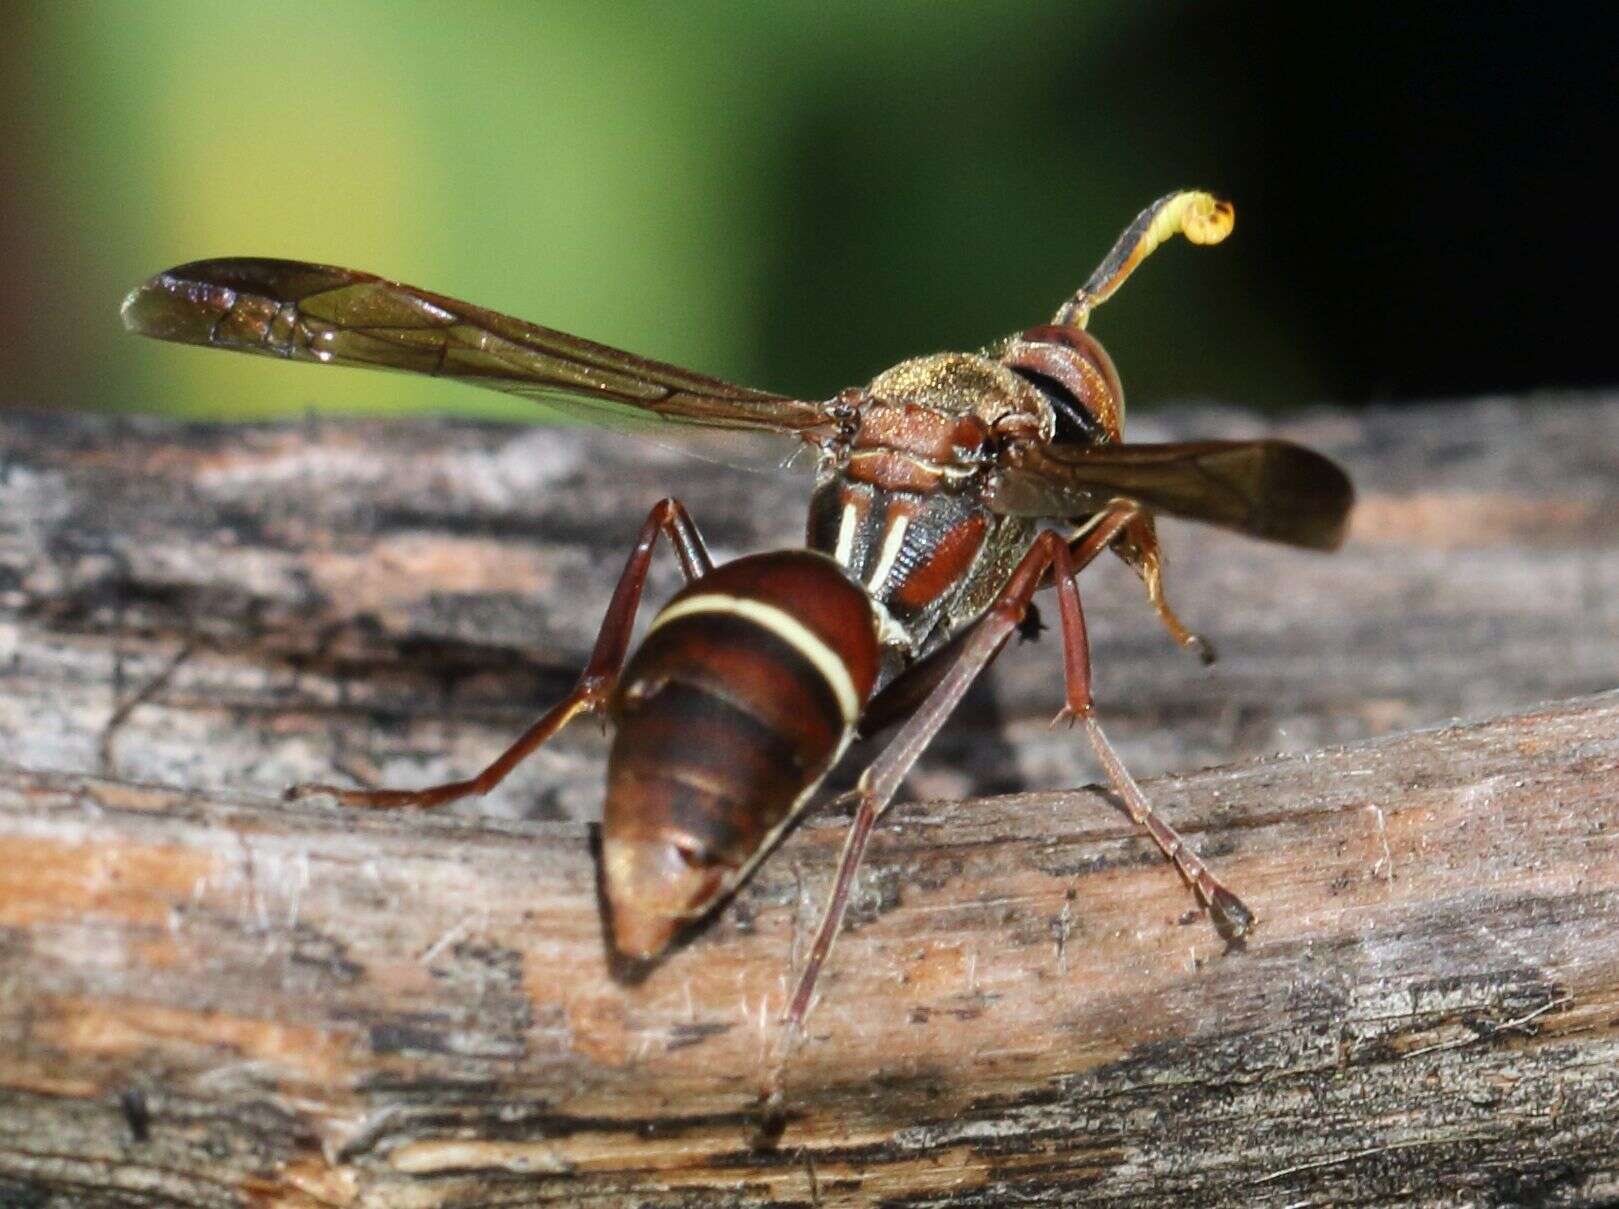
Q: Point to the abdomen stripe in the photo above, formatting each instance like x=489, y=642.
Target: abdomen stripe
x=784, y=626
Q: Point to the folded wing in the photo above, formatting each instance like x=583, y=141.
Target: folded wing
x=308, y=312
x=1274, y=490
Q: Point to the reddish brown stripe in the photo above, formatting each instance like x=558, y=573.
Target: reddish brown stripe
x=816, y=592
x=891, y=471
x=755, y=670
x=688, y=765
x=946, y=563
x=922, y=430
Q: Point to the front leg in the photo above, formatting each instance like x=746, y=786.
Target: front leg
x=1138, y=547
x=977, y=649
x=595, y=685
x=971, y=654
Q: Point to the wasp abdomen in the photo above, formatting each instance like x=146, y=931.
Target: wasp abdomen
x=743, y=695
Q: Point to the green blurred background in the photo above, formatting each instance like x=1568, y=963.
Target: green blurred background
x=795, y=196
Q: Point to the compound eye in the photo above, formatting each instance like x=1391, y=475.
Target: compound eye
x=1075, y=424
x=1076, y=376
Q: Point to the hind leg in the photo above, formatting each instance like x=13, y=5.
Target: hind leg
x=668, y=517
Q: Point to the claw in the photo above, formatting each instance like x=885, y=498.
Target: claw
x=1069, y=715
x=1232, y=918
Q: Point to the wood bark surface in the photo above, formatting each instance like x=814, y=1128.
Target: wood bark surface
x=212, y=997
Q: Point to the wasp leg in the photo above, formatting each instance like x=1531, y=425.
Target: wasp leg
x=1128, y=529
x=128, y=705
x=1201, y=217
x=978, y=648
x=974, y=651
x=668, y=517
x=1139, y=548
x=1231, y=916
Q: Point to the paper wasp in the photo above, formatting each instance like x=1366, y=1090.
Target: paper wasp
x=949, y=490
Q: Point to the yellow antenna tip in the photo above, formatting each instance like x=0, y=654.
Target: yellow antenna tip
x=1201, y=217
x=1205, y=218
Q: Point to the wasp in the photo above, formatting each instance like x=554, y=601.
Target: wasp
x=948, y=491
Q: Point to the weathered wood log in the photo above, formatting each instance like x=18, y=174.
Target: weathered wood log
x=208, y=996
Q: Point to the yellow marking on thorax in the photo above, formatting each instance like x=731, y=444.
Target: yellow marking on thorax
x=846, y=529
x=949, y=471
x=893, y=540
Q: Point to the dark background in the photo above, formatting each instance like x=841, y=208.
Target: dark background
x=795, y=196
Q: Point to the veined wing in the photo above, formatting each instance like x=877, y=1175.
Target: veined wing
x=309, y=312
x=1269, y=489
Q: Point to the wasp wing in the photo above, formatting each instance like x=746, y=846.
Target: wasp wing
x=1269, y=489
x=309, y=312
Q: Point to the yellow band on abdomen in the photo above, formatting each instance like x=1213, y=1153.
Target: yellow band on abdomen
x=784, y=626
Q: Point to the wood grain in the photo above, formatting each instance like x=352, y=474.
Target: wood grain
x=211, y=997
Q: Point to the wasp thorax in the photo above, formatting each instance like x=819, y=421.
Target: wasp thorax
x=955, y=384
x=934, y=422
